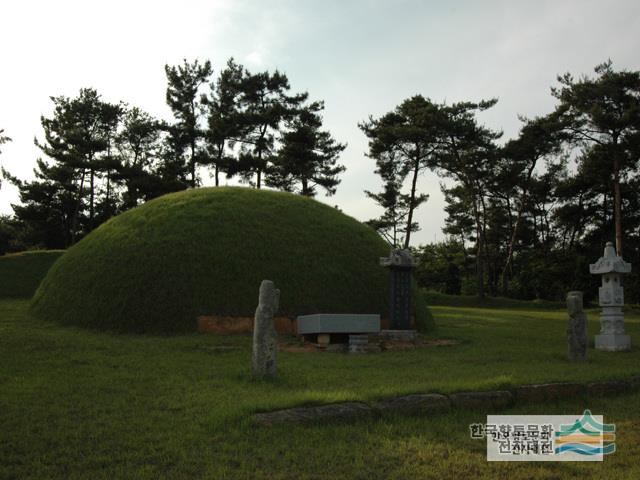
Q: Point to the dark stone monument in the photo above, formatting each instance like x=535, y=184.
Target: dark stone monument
x=265, y=337
x=400, y=264
x=576, y=328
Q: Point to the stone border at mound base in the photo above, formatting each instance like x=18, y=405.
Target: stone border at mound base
x=230, y=325
x=438, y=403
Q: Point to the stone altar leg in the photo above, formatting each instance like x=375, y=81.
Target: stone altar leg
x=265, y=338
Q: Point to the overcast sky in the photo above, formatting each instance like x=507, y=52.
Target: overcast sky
x=361, y=57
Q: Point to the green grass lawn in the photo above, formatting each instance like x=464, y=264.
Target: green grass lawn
x=80, y=404
x=472, y=301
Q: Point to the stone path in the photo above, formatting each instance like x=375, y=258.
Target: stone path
x=436, y=403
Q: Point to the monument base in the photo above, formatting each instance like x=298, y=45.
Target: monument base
x=399, y=335
x=613, y=342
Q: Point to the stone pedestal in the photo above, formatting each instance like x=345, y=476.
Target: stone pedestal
x=400, y=264
x=613, y=342
x=399, y=335
x=611, y=298
x=358, y=343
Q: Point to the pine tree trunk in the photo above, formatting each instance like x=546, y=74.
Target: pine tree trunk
x=479, y=269
x=617, y=204
x=193, y=164
x=108, y=204
x=512, y=242
x=76, y=213
x=479, y=251
x=485, y=253
x=411, y=203
x=91, y=198
x=514, y=234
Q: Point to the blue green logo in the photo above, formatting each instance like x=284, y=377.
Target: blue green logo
x=586, y=436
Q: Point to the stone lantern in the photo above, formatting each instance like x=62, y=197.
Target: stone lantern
x=400, y=264
x=611, y=298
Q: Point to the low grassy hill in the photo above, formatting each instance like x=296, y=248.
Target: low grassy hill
x=204, y=252
x=21, y=273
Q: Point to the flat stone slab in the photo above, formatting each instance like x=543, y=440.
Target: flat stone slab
x=482, y=400
x=418, y=403
x=301, y=415
x=548, y=391
x=338, y=323
x=433, y=402
x=608, y=387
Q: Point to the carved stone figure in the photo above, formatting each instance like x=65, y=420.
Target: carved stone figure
x=576, y=328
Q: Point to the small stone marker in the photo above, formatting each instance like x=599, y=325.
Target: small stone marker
x=576, y=328
x=265, y=338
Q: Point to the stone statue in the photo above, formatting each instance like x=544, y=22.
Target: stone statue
x=576, y=328
x=265, y=338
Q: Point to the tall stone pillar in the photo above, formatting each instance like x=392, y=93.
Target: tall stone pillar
x=265, y=337
x=400, y=264
x=611, y=298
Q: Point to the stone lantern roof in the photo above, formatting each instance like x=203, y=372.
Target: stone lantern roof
x=610, y=262
x=399, y=258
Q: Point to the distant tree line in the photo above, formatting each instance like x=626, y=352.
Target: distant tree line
x=104, y=158
x=525, y=217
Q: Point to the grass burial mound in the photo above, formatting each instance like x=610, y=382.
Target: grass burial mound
x=21, y=273
x=204, y=252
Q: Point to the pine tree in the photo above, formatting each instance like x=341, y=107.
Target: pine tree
x=265, y=105
x=603, y=114
x=308, y=155
x=138, y=145
x=78, y=138
x=392, y=224
x=3, y=139
x=223, y=117
x=409, y=135
x=183, y=97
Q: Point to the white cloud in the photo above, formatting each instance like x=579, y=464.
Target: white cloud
x=254, y=59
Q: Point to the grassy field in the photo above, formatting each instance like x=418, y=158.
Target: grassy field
x=21, y=273
x=79, y=404
x=472, y=301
